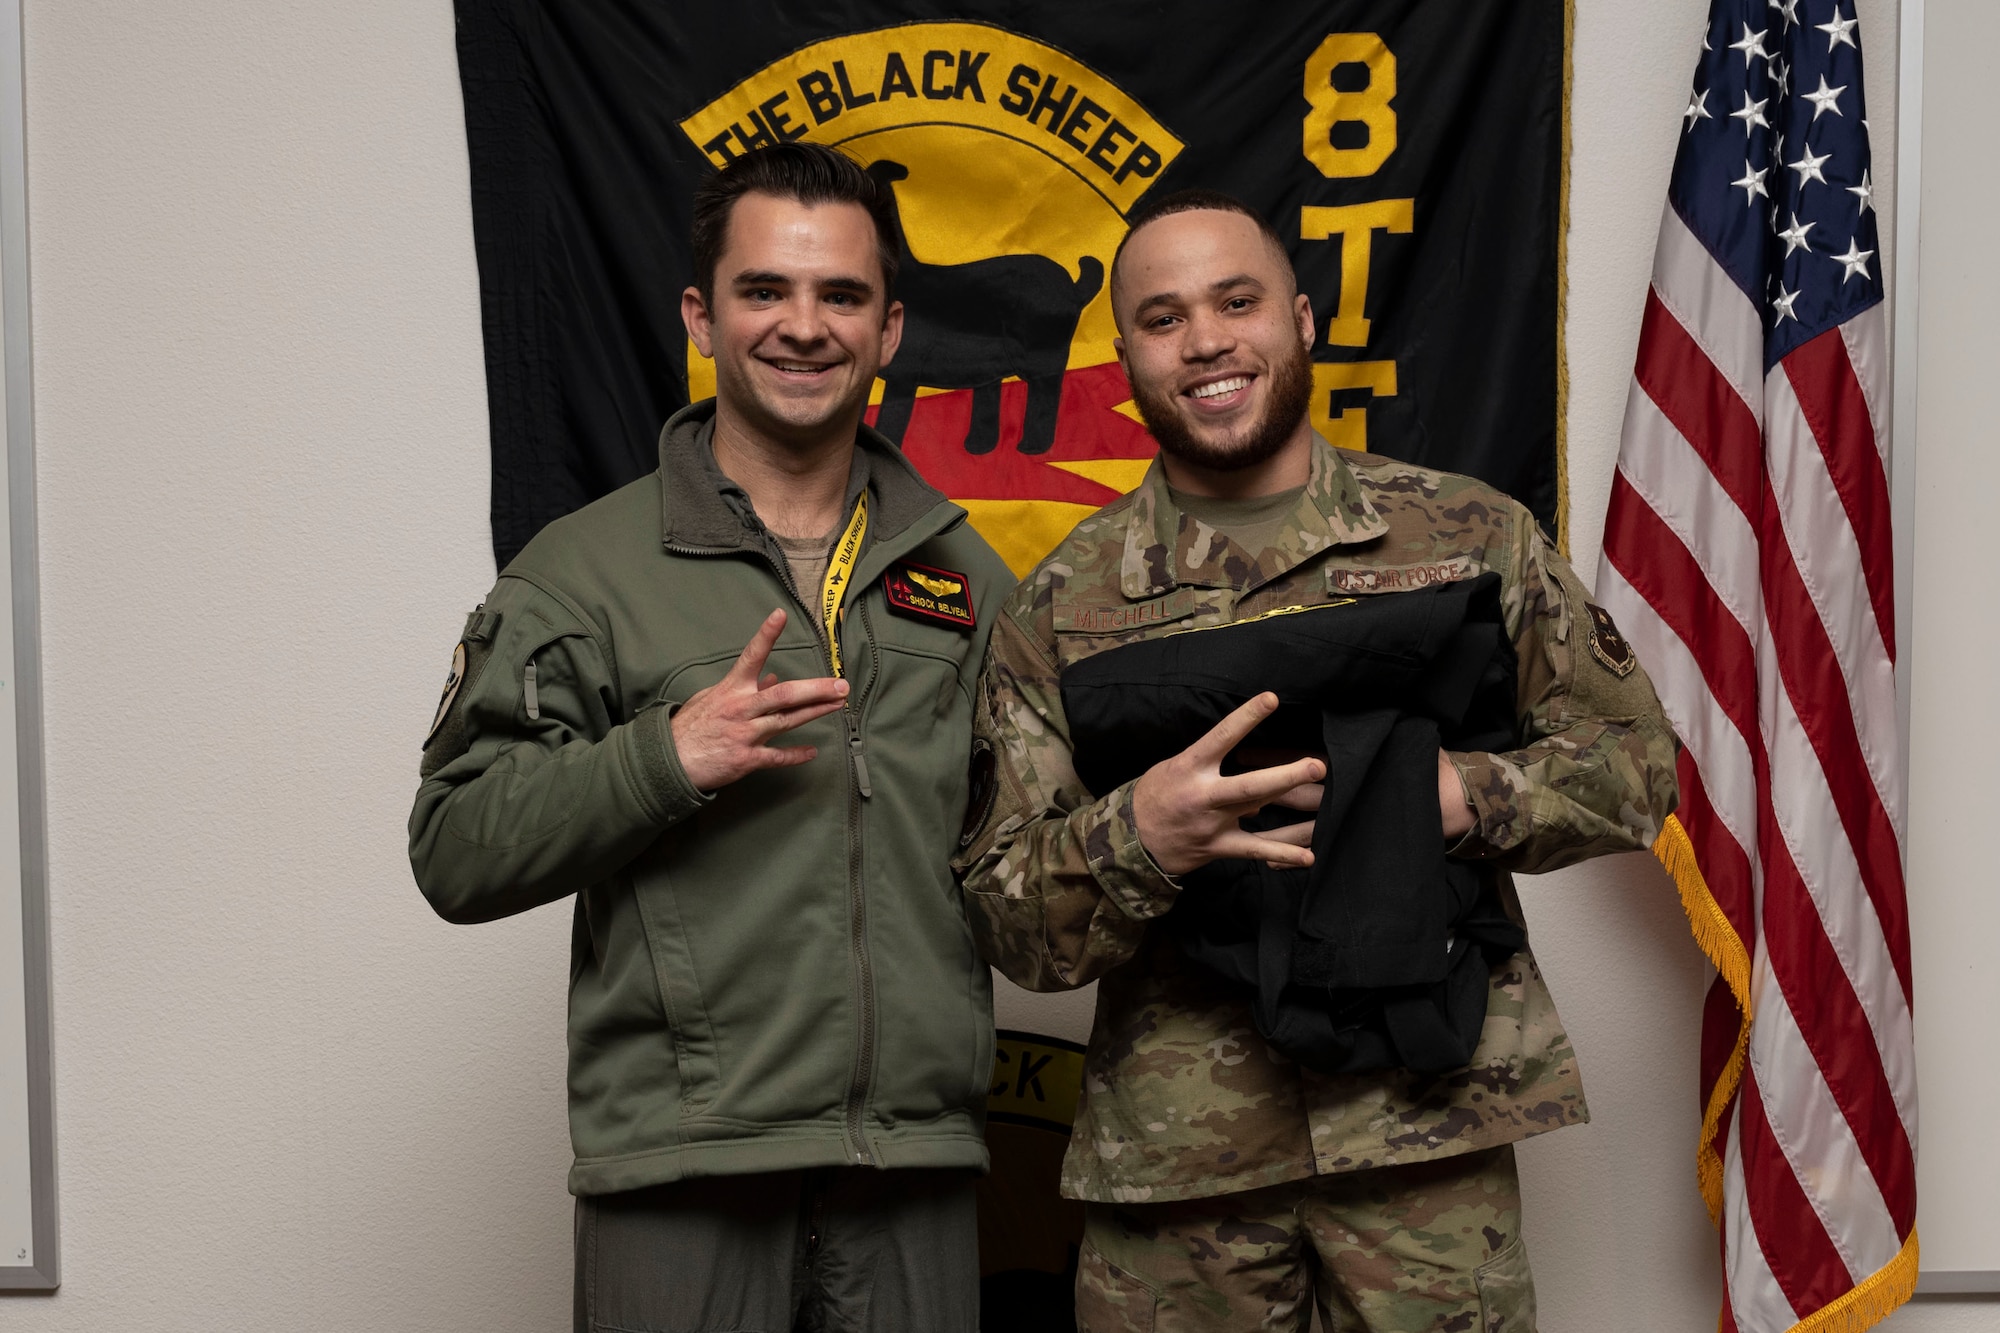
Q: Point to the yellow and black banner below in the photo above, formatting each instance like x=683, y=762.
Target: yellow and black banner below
x=1410, y=152
x=1029, y=1235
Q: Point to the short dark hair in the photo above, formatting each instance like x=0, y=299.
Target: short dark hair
x=807, y=172
x=1196, y=201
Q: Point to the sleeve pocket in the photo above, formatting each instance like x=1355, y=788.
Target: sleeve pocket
x=1507, y=1292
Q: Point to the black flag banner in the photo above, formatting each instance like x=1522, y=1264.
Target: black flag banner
x=1411, y=152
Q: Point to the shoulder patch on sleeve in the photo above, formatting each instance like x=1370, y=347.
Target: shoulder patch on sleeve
x=446, y=740
x=453, y=679
x=1607, y=645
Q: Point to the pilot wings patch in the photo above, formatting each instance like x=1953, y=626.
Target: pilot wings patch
x=922, y=592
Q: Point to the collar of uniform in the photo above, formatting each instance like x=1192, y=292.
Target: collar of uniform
x=703, y=509
x=1160, y=540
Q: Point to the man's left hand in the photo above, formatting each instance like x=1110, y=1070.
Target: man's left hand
x=1453, y=804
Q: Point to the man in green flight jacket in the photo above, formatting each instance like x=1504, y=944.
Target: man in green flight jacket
x=728, y=707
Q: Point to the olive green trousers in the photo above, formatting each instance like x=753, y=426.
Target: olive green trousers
x=833, y=1250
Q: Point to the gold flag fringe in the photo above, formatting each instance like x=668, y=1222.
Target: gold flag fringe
x=1870, y=1302
x=1718, y=939
x=1562, y=285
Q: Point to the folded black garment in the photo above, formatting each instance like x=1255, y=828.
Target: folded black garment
x=1376, y=957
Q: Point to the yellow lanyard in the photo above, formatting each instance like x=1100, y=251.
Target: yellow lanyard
x=839, y=570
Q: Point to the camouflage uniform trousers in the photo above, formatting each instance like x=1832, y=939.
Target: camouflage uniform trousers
x=1434, y=1246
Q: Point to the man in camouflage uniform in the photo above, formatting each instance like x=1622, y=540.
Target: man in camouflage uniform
x=1228, y=1186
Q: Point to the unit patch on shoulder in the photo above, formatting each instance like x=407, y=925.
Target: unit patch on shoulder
x=924, y=593
x=1607, y=645
x=452, y=681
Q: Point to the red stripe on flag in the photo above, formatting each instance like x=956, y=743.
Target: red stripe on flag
x=1703, y=406
x=1725, y=866
x=1829, y=394
x=1721, y=1020
x=1660, y=568
x=1796, y=1247
x=1837, y=1032
x=1812, y=677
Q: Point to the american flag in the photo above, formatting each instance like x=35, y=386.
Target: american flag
x=1747, y=556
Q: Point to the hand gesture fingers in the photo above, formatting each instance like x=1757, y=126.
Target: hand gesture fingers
x=1266, y=847
x=792, y=694
x=1296, y=835
x=1187, y=811
x=1229, y=733
x=749, y=664
x=780, y=721
x=1305, y=796
x=723, y=733
x=1262, y=786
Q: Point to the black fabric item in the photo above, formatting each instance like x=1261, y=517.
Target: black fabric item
x=1378, y=955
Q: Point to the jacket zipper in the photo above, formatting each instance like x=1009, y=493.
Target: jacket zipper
x=857, y=907
x=858, y=790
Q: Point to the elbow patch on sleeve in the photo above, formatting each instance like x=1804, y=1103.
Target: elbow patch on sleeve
x=447, y=738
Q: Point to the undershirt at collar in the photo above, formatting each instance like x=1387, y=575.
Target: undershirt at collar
x=1252, y=523
x=808, y=557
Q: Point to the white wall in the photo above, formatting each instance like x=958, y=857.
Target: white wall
x=288, y=1095
x=1955, y=717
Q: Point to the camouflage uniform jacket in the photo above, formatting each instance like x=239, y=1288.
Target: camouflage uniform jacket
x=1182, y=1098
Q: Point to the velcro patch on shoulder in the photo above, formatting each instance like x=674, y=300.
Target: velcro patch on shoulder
x=923, y=592
x=1607, y=645
x=1117, y=619
x=453, y=679
x=1352, y=580
x=981, y=783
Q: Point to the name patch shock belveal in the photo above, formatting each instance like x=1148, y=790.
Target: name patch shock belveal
x=922, y=592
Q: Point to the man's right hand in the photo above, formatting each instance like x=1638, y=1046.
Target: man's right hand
x=724, y=733
x=1188, y=813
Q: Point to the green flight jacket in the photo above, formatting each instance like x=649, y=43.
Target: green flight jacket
x=779, y=975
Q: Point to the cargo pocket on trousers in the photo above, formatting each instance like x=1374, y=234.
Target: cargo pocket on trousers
x=1506, y=1292
x=1109, y=1299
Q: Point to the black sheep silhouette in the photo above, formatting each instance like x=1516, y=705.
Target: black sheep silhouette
x=968, y=326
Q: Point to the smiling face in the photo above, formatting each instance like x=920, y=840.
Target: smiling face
x=800, y=324
x=1215, y=341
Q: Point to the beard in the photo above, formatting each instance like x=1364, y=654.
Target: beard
x=1285, y=404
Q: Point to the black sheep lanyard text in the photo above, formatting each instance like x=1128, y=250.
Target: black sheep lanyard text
x=839, y=573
